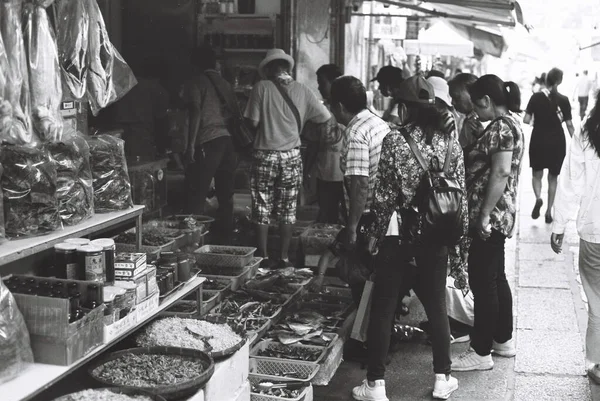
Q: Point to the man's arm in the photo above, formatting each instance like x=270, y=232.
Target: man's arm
x=359, y=192
x=570, y=127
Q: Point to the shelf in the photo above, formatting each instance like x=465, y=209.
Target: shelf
x=238, y=16
x=231, y=50
x=40, y=377
x=13, y=250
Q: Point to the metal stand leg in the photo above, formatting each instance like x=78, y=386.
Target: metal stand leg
x=199, y=301
x=138, y=232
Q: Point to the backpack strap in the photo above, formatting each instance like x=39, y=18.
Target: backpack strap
x=413, y=147
x=449, y=154
x=290, y=103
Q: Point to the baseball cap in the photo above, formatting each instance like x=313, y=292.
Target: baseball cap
x=416, y=89
x=441, y=89
x=388, y=74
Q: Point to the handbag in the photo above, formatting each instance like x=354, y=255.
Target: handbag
x=290, y=103
x=242, y=136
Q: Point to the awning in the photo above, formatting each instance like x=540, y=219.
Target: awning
x=487, y=12
x=488, y=41
x=441, y=40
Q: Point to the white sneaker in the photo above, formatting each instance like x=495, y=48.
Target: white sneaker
x=507, y=349
x=364, y=392
x=461, y=339
x=443, y=387
x=470, y=360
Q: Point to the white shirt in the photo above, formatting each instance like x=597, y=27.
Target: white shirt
x=584, y=86
x=579, y=187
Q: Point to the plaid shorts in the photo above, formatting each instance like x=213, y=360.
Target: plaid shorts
x=274, y=182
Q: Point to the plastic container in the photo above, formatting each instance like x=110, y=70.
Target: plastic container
x=236, y=281
x=78, y=241
x=270, y=344
x=268, y=369
x=254, y=380
x=184, y=266
x=217, y=255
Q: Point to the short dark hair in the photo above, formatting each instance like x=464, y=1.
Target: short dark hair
x=204, y=58
x=350, y=92
x=462, y=80
x=554, y=77
x=436, y=73
x=502, y=93
x=330, y=72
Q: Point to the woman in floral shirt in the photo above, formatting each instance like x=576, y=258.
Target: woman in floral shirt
x=492, y=169
x=394, y=201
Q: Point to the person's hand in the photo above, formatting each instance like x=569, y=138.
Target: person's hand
x=483, y=227
x=190, y=155
x=316, y=284
x=556, y=242
x=474, y=126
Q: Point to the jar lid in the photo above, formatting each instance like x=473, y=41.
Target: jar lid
x=105, y=243
x=65, y=247
x=90, y=249
x=77, y=241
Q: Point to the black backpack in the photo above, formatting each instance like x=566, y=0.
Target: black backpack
x=438, y=200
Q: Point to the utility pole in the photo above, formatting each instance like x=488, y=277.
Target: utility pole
x=371, y=25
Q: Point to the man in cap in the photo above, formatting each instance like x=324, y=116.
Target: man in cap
x=279, y=106
x=389, y=79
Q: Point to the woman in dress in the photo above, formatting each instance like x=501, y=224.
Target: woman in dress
x=548, y=109
x=395, y=198
x=492, y=174
x=579, y=184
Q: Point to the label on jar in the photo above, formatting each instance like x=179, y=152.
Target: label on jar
x=72, y=271
x=94, y=268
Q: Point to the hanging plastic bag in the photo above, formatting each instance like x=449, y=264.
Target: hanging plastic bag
x=29, y=189
x=16, y=91
x=72, y=32
x=109, y=76
x=75, y=192
x=112, y=188
x=44, y=72
x=15, y=347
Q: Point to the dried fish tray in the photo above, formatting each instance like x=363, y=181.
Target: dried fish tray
x=254, y=380
x=216, y=255
x=269, y=369
x=274, y=345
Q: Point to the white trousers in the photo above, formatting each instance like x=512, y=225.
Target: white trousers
x=589, y=269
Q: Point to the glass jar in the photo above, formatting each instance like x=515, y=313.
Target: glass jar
x=108, y=248
x=65, y=261
x=93, y=296
x=184, y=267
x=91, y=258
x=169, y=261
x=75, y=311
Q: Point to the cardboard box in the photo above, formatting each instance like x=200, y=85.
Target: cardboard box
x=230, y=374
x=53, y=339
x=151, y=285
x=130, y=261
x=147, y=307
x=120, y=326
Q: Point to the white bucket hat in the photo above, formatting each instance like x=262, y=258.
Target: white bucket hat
x=274, y=54
x=441, y=89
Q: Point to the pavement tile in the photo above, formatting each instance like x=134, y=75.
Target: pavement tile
x=552, y=388
x=554, y=352
x=543, y=274
x=546, y=309
x=535, y=232
x=540, y=252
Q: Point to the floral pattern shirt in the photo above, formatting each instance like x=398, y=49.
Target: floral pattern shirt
x=499, y=136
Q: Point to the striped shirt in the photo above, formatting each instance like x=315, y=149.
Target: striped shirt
x=361, y=149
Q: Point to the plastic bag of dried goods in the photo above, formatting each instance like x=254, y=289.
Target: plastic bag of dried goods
x=72, y=31
x=71, y=157
x=16, y=91
x=29, y=191
x=109, y=76
x=112, y=188
x=45, y=84
x=15, y=348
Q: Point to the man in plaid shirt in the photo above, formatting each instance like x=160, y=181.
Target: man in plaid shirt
x=361, y=147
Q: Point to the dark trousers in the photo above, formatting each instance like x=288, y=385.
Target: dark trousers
x=214, y=159
x=493, y=298
x=394, y=275
x=583, y=105
x=330, y=195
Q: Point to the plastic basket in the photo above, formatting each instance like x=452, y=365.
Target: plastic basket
x=210, y=255
x=273, y=369
x=270, y=344
x=236, y=281
x=184, y=315
x=254, y=380
x=254, y=265
x=130, y=248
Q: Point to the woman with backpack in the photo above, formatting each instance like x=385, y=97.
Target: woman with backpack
x=547, y=109
x=397, y=226
x=579, y=184
x=492, y=175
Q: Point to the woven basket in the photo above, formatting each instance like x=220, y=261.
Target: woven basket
x=213, y=255
x=119, y=390
x=169, y=392
x=272, y=369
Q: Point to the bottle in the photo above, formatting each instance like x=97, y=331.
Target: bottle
x=223, y=7
x=93, y=296
x=65, y=261
x=72, y=289
x=75, y=311
x=230, y=7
